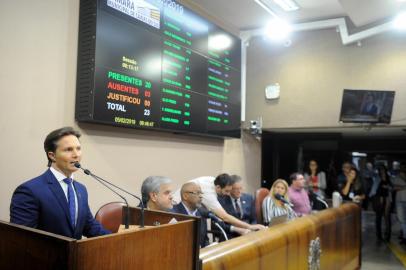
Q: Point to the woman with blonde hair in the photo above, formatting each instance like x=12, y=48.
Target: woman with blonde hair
x=272, y=207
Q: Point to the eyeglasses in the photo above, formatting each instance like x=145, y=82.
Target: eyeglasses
x=197, y=193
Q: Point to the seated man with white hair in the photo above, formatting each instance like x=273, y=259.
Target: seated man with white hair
x=156, y=193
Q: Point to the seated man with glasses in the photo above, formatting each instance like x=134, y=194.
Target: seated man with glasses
x=191, y=195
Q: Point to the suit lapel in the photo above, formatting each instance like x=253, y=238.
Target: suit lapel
x=183, y=209
x=56, y=189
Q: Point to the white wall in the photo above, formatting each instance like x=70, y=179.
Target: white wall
x=314, y=71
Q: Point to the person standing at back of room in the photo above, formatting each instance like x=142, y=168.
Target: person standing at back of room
x=316, y=179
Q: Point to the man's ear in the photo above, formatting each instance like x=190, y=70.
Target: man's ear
x=51, y=156
x=185, y=196
x=153, y=196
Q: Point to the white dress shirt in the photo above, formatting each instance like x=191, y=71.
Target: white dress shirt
x=206, y=183
x=190, y=213
x=60, y=177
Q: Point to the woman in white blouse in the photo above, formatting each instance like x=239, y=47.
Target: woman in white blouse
x=272, y=207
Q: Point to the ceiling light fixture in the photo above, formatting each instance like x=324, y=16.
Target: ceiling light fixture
x=267, y=6
x=287, y=5
x=400, y=21
x=278, y=29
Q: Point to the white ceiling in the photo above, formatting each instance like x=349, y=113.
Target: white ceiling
x=247, y=14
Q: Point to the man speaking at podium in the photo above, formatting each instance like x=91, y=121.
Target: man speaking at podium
x=54, y=201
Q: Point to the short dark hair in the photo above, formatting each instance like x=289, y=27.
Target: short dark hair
x=53, y=137
x=294, y=176
x=223, y=180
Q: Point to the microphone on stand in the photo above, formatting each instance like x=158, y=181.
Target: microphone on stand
x=282, y=199
x=105, y=183
x=318, y=198
x=217, y=221
x=127, y=213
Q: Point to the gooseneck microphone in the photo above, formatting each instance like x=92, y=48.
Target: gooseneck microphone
x=282, y=199
x=218, y=222
x=86, y=171
x=208, y=214
x=106, y=184
x=318, y=198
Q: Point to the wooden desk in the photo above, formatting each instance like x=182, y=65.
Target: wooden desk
x=286, y=246
x=164, y=247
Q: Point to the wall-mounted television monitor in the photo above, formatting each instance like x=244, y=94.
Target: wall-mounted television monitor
x=156, y=64
x=367, y=106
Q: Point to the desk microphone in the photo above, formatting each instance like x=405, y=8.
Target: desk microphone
x=217, y=221
x=318, y=198
x=282, y=199
x=210, y=215
x=106, y=184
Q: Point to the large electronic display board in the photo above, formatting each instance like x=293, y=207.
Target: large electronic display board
x=155, y=64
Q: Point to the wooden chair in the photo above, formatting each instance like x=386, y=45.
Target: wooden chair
x=260, y=195
x=110, y=215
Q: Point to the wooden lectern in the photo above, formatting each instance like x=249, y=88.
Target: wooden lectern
x=167, y=246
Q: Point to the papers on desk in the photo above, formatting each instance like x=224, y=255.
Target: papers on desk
x=173, y=221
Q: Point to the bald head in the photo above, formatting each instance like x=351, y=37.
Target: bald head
x=192, y=195
x=187, y=187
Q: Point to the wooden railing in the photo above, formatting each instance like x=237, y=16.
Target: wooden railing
x=337, y=232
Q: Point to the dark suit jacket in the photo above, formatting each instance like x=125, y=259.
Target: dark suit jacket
x=247, y=205
x=204, y=240
x=41, y=203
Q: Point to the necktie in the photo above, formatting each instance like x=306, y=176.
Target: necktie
x=71, y=201
x=237, y=208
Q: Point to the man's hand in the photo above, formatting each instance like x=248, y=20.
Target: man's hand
x=241, y=231
x=257, y=227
